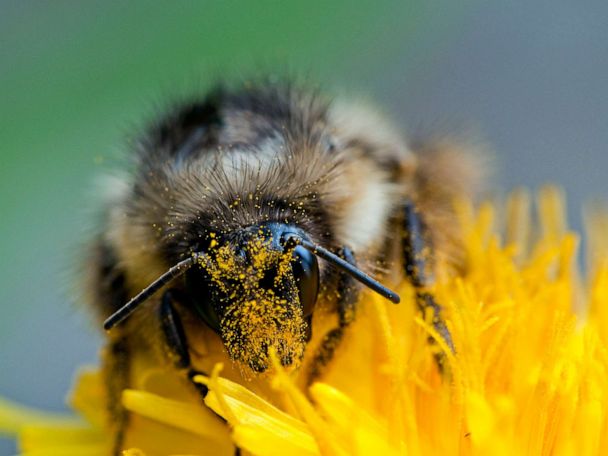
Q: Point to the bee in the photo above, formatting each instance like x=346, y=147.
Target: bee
x=251, y=220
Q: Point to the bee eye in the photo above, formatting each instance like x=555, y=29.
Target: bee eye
x=306, y=273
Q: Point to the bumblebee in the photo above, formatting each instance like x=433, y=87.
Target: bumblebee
x=251, y=220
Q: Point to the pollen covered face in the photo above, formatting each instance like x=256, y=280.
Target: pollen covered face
x=253, y=299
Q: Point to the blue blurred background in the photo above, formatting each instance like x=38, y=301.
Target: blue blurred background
x=530, y=76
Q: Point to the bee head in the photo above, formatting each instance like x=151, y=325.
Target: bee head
x=257, y=290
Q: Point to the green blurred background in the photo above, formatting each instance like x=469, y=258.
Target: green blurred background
x=76, y=77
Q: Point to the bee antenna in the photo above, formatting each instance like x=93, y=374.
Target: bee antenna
x=173, y=273
x=345, y=266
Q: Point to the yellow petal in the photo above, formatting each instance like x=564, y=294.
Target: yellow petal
x=194, y=418
x=13, y=417
x=88, y=397
x=259, y=426
x=62, y=440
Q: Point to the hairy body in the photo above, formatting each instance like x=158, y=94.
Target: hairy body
x=259, y=155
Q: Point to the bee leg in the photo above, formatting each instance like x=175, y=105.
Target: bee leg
x=418, y=265
x=175, y=338
x=116, y=368
x=347, y=298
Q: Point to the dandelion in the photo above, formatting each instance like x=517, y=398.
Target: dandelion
x=528, y=374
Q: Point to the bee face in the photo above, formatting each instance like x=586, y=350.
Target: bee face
x=256, y=293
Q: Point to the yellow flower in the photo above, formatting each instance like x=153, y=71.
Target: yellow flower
x=54, y=434
x=529, y=374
